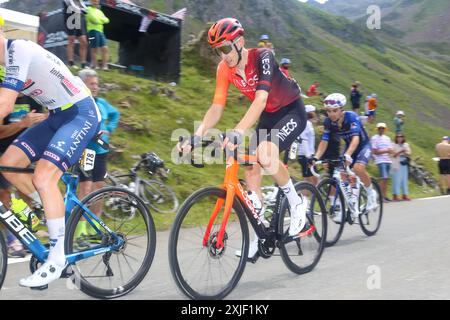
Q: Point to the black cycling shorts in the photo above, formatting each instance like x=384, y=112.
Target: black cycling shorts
x=444, y=166
x=99, y=172
x=281, y=127
x=73, y=30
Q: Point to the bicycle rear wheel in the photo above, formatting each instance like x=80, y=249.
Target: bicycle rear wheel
x=120, y=270
x=158, y=196
x=200, y=269
x=3, y=259
x=302, y=254
x=335, y=206
x=370, y=221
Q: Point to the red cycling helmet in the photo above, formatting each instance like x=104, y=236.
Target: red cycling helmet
x=226, y=29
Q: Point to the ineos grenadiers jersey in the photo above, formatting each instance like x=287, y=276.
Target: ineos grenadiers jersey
x=261, y=73
x=39, y=74
x=350, y=127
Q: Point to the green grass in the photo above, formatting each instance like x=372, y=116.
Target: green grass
x=402, y=80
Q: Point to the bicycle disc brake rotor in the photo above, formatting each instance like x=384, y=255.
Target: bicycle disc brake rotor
x=215, y=252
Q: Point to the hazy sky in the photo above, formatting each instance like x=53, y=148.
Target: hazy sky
x=320, y=1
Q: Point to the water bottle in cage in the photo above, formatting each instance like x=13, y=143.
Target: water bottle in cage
x=257, y=204
x=293, y=150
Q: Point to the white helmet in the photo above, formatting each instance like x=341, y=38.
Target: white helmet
x=335, y=100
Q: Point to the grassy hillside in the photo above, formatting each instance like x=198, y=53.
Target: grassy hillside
x=322, y=47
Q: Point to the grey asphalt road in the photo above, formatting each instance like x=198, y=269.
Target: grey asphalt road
x=409, y=258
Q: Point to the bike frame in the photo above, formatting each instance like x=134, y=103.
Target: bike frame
x=234, y=190
x=21, y=232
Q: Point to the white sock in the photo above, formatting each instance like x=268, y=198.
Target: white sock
x=35, y=197
x=369, y=188
x=57, y=230
x=291, y=194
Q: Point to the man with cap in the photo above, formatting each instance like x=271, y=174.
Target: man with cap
x=284, y=66
x=399, y=121
x=443, y=152
x=307, y=148
x=265, y=43
x=381, y=150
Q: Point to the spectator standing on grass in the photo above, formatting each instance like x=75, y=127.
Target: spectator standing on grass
x=399, y=121
x=401, y=153
x=381, y=149
x=355, y=98
x=96, y=19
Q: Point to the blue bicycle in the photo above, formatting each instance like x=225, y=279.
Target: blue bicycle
x=111, y=262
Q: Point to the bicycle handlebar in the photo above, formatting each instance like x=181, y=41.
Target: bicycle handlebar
x=336, y=162
x=219, y=143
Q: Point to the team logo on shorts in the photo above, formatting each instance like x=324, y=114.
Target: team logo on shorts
x=29, y=149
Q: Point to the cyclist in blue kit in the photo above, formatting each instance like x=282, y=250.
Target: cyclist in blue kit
x=347, y=125
x=54, y=144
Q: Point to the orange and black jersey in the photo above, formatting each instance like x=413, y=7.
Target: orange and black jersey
x=261, y=73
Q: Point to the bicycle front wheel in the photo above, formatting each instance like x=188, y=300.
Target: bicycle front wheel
x=302, y=254
x=158, y=196
x=202, y=269
x=335, y=206
x=121, y=268
x=370, y=220
x=3, y=259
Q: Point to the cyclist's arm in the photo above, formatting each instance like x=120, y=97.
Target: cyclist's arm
x=7, y=130
x=211, y=118
x=323, y=145
x=7, y=101
x=353, y=145
x=215, y=111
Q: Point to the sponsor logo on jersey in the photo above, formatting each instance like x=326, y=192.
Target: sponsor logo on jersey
x=28, y=84
x=13, y=71
x=266, y=63
x=11, y=53
x=11, y=82
x=36, y=93
x=68, y=86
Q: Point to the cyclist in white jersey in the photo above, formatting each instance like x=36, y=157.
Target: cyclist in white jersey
x=55, y=144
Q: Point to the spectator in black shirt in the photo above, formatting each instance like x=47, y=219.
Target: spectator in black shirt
x=355, y=98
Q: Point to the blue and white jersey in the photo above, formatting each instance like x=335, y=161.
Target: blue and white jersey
x=39, y=74
x=351, y=127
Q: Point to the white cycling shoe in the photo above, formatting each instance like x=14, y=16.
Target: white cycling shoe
x=47, y=273
x=372, y=201
x=337, y=214
x=298, y=218
x=252, y=250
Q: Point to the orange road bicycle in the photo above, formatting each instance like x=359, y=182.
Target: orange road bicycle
x=211, y=226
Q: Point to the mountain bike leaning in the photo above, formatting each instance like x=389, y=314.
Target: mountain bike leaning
x=154, y=192
x=202, y=247
x=108, y=268
x=345, y=199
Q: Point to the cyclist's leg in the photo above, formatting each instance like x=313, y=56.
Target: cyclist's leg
x=282, y=134
x=74, y=127
x=361, y=158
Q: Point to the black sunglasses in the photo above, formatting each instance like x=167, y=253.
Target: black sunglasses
x=225, y=49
